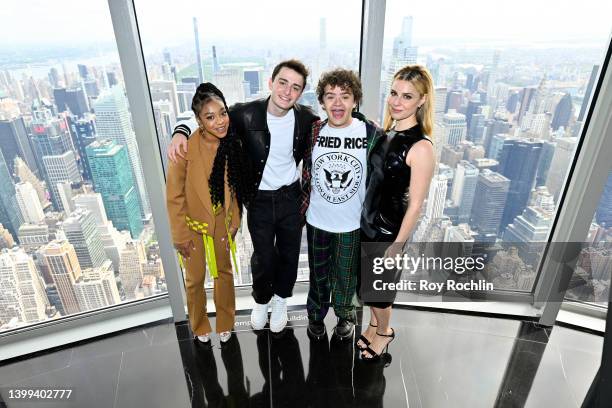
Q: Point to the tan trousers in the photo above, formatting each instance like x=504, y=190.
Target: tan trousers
x=223, y=295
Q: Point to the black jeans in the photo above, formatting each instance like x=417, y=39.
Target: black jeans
x=275, y=227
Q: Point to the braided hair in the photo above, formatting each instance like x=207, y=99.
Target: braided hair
x=230, y=156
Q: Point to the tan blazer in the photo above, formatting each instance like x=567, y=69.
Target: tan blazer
x=188, y=194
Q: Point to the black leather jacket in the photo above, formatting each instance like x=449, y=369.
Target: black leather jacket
x=250, y=123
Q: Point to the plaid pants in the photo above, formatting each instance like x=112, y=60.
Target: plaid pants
x=333, y=259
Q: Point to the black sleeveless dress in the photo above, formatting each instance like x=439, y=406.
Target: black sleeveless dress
x=386, y=202
x=387, y=197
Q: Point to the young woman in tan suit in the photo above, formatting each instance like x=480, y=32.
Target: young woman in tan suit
x=205, y=193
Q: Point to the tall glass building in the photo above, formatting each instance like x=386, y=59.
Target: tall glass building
x=112, y=177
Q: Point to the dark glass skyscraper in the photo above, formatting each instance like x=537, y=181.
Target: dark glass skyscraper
x=588, y=92
x=518, y=162
x=563, y=112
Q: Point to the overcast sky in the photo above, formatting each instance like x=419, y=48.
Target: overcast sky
x=168, y=22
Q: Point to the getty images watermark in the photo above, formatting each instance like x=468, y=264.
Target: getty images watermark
x=430, y=268
x=410, y=264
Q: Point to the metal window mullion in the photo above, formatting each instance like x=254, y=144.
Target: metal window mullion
x=372, y=37
x=125, y=25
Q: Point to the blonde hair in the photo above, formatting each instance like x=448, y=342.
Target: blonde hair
x=421, y=79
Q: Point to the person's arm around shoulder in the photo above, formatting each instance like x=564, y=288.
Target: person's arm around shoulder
x=421, y=159
x=178, y=145
x=176, y=204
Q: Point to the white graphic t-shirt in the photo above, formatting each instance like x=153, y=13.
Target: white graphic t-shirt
x=338, y=178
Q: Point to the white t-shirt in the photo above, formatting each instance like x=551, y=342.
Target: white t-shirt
x=338, y=178
x=280, y=169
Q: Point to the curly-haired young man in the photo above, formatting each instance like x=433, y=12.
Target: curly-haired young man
x=334, y=179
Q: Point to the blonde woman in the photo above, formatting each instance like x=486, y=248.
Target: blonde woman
x=402, y=169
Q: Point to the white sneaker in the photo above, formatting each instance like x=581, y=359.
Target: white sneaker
x=205, y=338
x=225, y=336
x=278, y=320
x=259, y=316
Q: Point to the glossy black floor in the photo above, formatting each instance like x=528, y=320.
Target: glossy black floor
x=437, y=360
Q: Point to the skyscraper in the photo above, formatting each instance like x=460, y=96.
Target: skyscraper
x=453, y=127
x=231, y=80
x=464, y=187
x=588, y=93
x=403, y=51
x=82, y=232
x=323, y=59
x=61, y=260
x=94, y=204
x=488, y=207
x=472, y=108
x=527, y=96
x=185, y=92
x=112, y=178
x=437, y=197
x=529, y=232
x=519, y=163
x=164, y=124
x=113, y=122
x=216, y=67
x=97, y=288
x=494, y=127
x=440, y=103
x=28, y=203
x=6, y=239
x=548, y=151
x=33, y=236
x=77, y=102
x=22, y=295
x=10, y=216
x=84, y=133
x=50, y=136
x=130, y=268
x=166, y=91
x=563, y=112
x=23, y=173
x=14, y=143
x=403, y=54
x=60, y=168
x=197, y=50
x=559, y=165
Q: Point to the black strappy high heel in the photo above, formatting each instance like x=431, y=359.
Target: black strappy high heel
x=363, y=339
x=385, y=351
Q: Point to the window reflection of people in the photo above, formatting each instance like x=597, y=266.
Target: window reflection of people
x=231, y=355
x=205, y=193
x=338, y=378
x=395, y=197
x=281, y=364
x=275, y=132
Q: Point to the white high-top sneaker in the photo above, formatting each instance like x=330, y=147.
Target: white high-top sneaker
x=259, y=316
x=278, y=320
